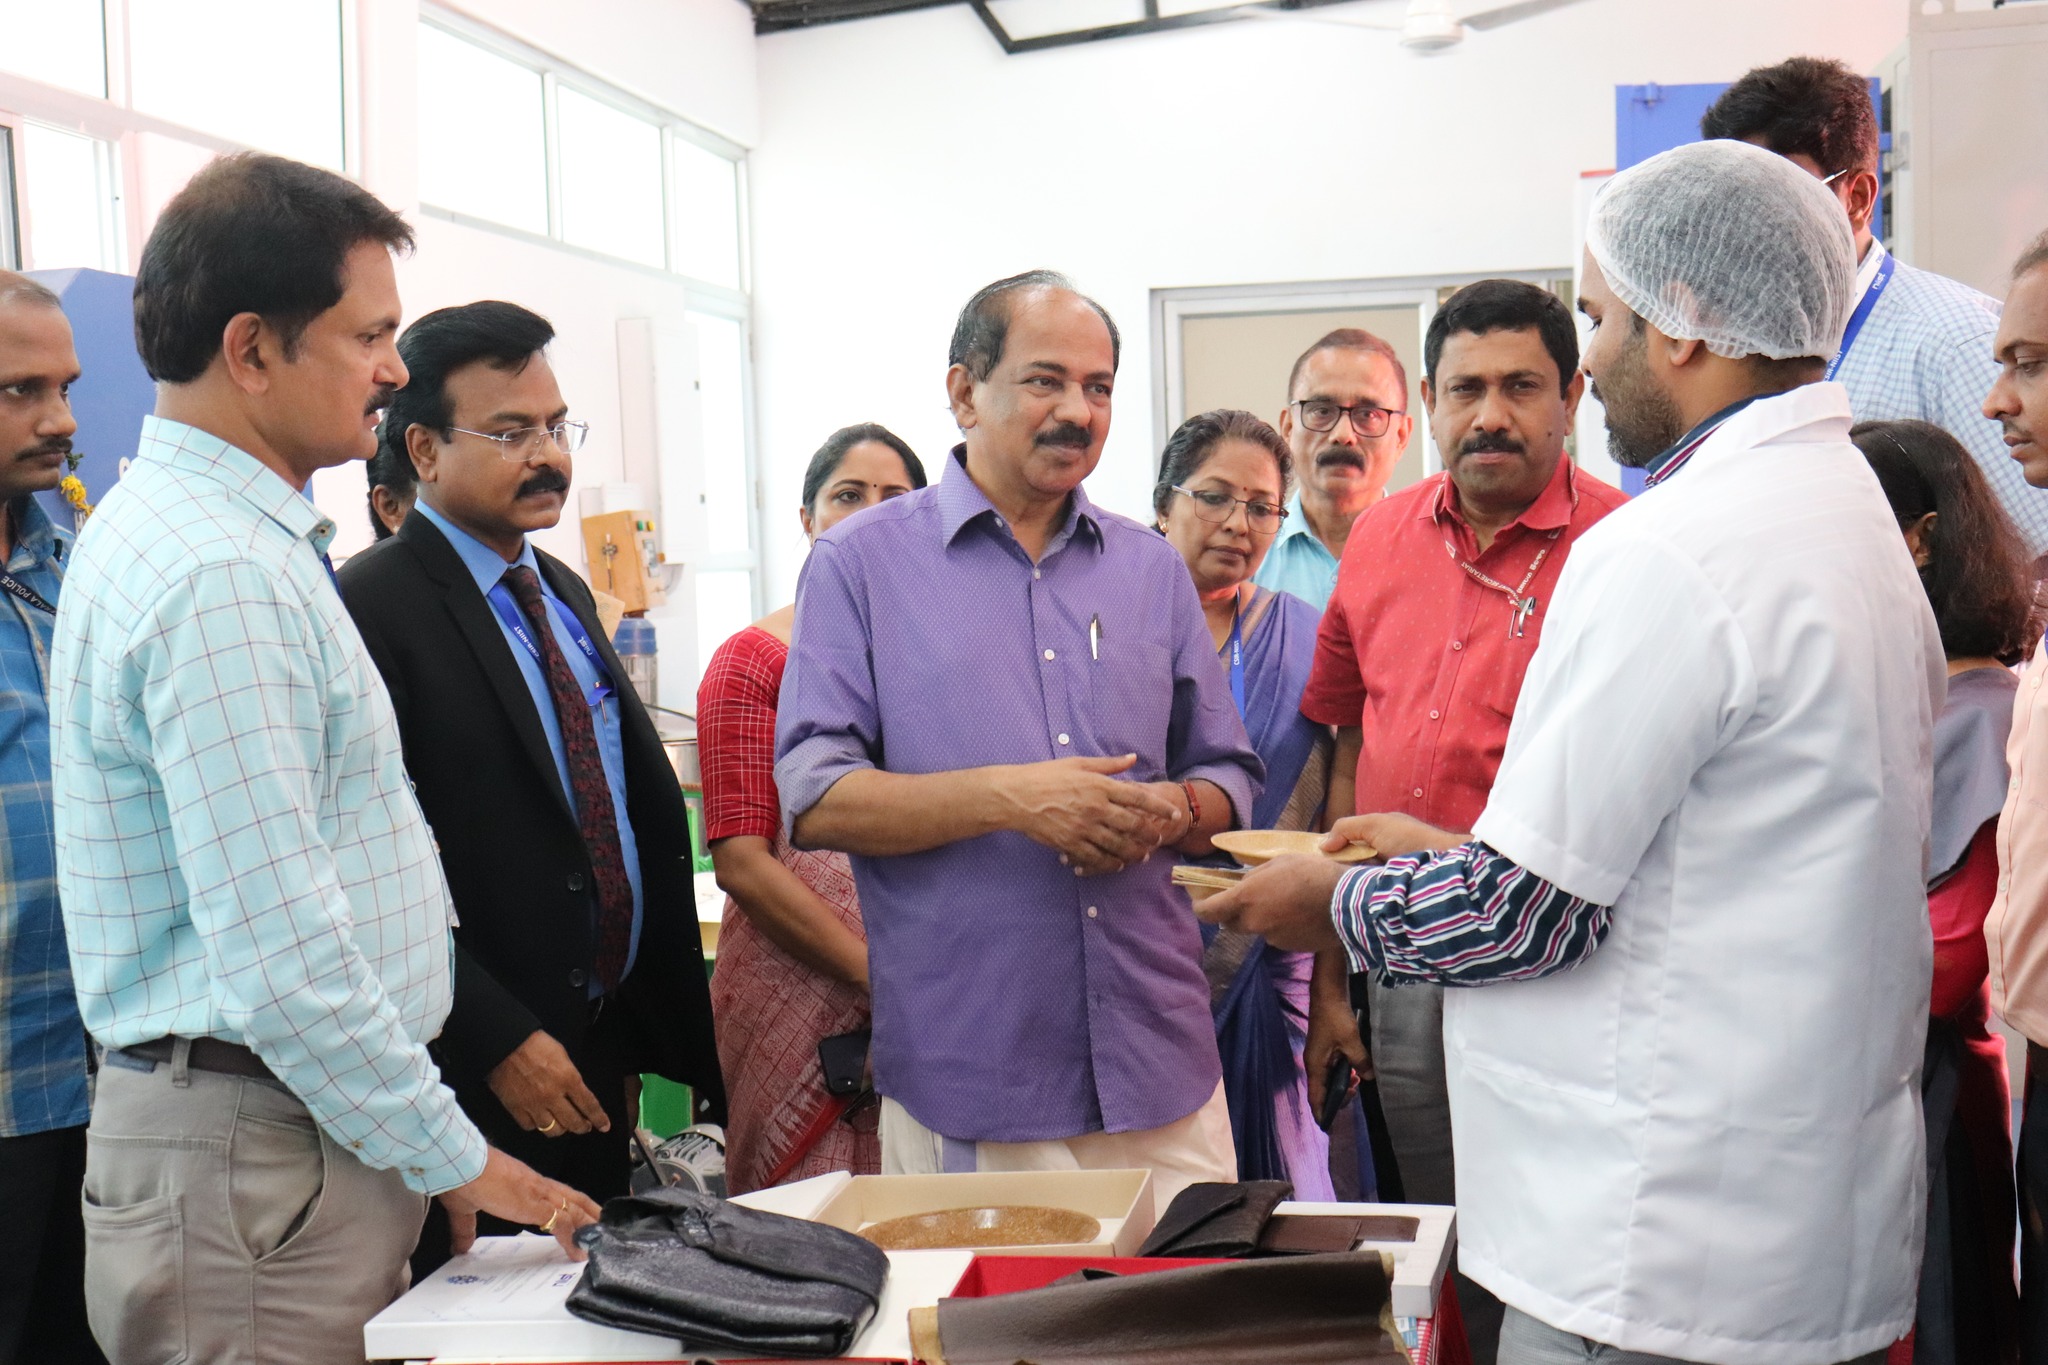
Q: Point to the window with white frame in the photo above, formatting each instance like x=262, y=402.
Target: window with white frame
x=263, y=73
x=59, y=42
x=70, y=205
x=511, y=136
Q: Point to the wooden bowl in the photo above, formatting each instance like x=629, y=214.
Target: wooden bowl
x=1203, y=882
x=1255, y=846
x=999, y=1225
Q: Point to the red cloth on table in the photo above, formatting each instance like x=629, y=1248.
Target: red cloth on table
x=771, y=1010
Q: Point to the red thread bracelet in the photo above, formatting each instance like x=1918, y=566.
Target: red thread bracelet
x=1194, y=806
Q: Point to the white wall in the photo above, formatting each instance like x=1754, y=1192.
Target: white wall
x=695, y=57
x=905, y=161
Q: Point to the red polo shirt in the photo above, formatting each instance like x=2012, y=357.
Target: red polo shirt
x=1421, y=655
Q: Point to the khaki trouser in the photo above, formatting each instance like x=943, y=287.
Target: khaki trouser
x=223, y=1225
x=1526, y=1341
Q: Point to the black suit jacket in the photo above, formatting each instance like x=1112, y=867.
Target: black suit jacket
x=515, y=860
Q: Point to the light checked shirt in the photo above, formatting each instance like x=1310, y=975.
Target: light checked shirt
x=1298, y=562
x=487, y=566
x=42, y=1044
x=1925, y=353
x=238, y=849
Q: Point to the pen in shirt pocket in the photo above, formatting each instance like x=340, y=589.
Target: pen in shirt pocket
x=1095, y=637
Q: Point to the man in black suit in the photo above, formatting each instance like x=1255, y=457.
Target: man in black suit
x=560, y=824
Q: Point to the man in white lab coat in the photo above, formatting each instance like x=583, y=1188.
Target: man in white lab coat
x=1687, y=1106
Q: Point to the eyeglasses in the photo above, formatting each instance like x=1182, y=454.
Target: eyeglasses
x=1831, y=179
x=1263, y=517
x=523, y=443
x=1320, y=414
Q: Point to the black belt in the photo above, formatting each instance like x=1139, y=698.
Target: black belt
x=207, y=1054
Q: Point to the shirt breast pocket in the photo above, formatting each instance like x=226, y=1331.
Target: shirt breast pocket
x=1129, y=697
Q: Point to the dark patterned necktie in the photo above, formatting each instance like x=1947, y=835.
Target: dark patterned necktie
x=587, y=783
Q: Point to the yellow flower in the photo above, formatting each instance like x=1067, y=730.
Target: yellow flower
x=73, y=489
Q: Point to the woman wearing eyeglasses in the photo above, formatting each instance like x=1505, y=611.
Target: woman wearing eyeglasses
x=1220, y=499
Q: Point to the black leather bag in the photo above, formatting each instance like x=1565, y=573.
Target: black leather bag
x=727, y=1280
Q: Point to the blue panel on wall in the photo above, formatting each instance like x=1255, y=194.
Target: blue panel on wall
x=113, y=393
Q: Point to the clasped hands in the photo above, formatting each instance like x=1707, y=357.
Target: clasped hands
x=1098, y=824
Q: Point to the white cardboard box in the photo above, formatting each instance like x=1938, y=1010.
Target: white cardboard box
x=504, y=1300
x=1121, y=1201
x=1419, y=1266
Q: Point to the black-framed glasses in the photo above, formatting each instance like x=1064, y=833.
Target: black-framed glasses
x=1367, y=419
x=523, y=443
x=1263, y=517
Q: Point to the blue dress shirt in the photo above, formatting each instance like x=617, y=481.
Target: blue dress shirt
x=42, y=1042
x=1297, y=562
x=487, y=567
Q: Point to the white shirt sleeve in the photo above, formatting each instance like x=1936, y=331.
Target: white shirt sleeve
x=1641, y=675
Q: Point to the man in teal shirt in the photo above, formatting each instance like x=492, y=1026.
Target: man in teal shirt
x=1346, y=420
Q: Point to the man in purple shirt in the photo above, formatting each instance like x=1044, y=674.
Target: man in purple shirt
x=1001, y=701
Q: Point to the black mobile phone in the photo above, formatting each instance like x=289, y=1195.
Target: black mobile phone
x=844, y=1059
x=1336, y=1090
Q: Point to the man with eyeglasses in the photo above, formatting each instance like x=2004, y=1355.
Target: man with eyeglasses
x=1442, y=597
x=1347, y=423
x=1918, y=345
x=560, y=824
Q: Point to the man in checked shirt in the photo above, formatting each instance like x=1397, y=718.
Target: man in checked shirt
x=257, y=916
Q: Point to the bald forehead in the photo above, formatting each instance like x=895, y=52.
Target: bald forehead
x=16, y=288
x=2023, y=323
x=1049, y=317
x=1344, y=375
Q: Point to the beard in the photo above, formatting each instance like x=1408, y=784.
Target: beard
x=1642, y=421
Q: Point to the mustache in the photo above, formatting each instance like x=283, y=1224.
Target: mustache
x=1486, y=442
x=385, y=393
x=56, y=445
x=544, y=480
x=1336, y=455
x=1065, y=434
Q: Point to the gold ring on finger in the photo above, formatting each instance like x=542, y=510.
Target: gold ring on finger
x=549, y=1226
x=546, y=1126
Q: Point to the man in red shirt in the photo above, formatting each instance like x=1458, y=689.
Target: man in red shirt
x=1439, y=603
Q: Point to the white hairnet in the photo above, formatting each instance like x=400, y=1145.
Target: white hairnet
x=1731, y=245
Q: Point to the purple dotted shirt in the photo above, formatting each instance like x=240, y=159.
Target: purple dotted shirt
x=1014, y=1001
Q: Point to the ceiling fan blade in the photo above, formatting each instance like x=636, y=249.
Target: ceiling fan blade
x=1508, y=14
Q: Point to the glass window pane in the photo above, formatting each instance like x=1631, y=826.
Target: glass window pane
x=721, y=378
x=707, y=209
x=611, y=179
x=262, y=72
x=725, y=607
x=483, y=133
x=73, y=209
x=10, y=245
x=59, y=42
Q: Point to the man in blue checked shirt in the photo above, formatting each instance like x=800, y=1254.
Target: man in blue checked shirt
x=258, y=922
x=44, y=1090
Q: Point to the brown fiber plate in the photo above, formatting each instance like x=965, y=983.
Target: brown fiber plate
x=999, y=1225
x=1255, y=846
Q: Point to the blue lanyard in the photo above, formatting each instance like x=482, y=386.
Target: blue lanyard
x=1237, y=659
x=515, y=621
x=1885, y=268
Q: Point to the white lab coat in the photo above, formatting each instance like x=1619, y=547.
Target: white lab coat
x=1705, y=1143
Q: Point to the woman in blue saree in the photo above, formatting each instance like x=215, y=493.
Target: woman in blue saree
x=1221, y=496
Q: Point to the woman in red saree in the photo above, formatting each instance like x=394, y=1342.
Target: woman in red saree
x=792, y=957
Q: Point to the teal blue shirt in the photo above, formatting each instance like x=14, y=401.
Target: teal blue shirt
x=1298, y=562
x=487, y=566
